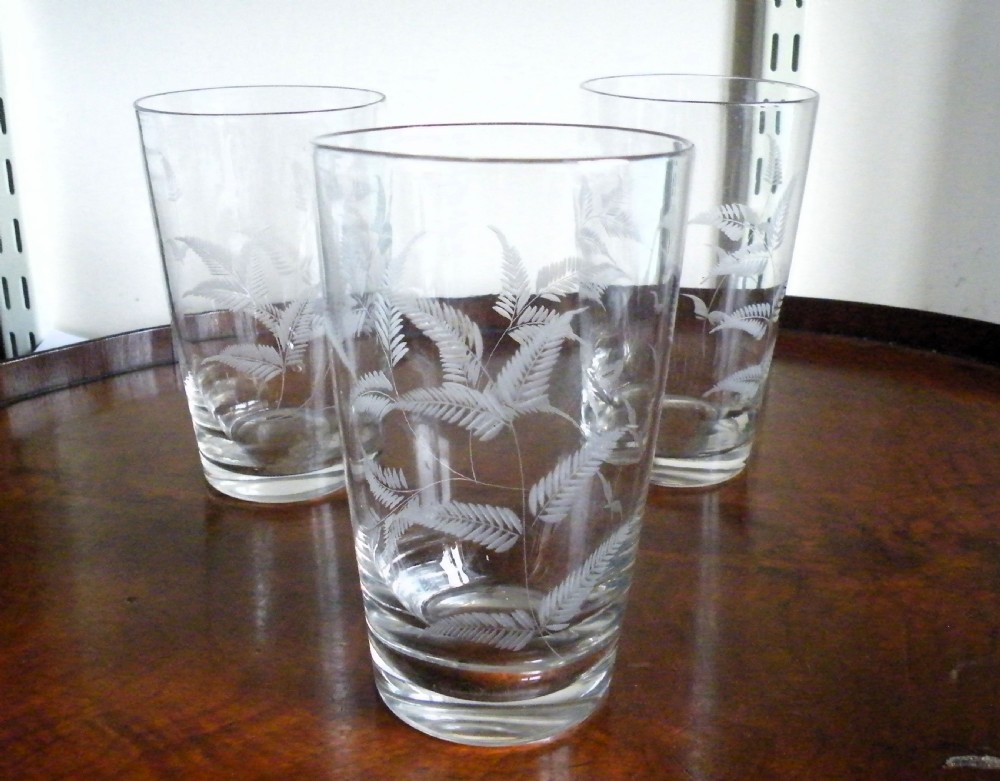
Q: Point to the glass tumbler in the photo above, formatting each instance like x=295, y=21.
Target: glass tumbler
x=230, y=179
x=753, y=139
x=501, y=299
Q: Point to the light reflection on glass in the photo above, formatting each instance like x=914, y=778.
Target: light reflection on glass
x=703, y=699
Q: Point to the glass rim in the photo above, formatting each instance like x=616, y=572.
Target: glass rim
x=807, y=94
x=680, y=146
x=142, y=104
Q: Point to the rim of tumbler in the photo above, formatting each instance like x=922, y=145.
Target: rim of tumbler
x=143, y=104
x=679, y=146
x=807, y=95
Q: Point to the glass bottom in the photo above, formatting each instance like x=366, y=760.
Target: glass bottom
x=508, y=723
x=699, y=444
x=699, y=472
x=278, y=489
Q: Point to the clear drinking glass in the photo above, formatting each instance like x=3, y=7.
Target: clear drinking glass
x=752, y=139
x=501, y=299
x=233, y=196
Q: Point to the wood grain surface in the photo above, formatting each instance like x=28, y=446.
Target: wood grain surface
x=834, y=613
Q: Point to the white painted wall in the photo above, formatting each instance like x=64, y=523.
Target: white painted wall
x=904, y=183
x=901, y=199
x=74, y=68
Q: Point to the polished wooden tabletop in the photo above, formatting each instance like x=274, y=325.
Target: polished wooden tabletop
x=832, y=614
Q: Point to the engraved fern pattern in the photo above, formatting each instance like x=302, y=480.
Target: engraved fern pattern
x=484, y=387
x=745, y=261
x=238, y=283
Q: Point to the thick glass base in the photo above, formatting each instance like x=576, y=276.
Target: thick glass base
x=699, y=472
x=275, y=489
x=699, y=444
x=478, y=723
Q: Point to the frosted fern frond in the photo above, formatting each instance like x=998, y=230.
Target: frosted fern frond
x=260, y=362
x=614, y=216
x=515, y=287
x=264, y=251
x=749, y=261
x=372, y=396
x=610, y=213
x=525, y=376
x=217, y=259
x=774, y=235
x=252, y=272
x=752, y=319
x=494, y=527
x=733, y=219
x=226, y=294
x=564, y=602
x=552, y=497
x=373, y=406
x=595, y=278
x=479, y=413
x=388, y=322
x=558, y=279
x=388, y=486
x=744, y=383
x=457, y=337
x=371, y=382
x=508, y=631
x=294, y=326
x=773, y=173
x=591, y=242
x=395, y=526
x=532, y=318
x=618, y=223
x=701, y=309
x=357, y=322
x=238, y=283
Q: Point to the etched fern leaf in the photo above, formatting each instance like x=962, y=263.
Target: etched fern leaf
x=523, y=382
x=752, y=319
x=559, y=279
x=217, y=259
x=494, y=527
x=294, y=327
x=591, y=242
x=508, y=631
x=480, y=413
x=749, y=261
x=774, y=171
x=226, y=294
x=552, y=497
x=733, y=219
x=775, y=233
x=260, y=362
x=388, y=486
x=515, y=287
x=458, y=339
x=388, y=322
x=595, y=278
x=612, y=215
x=744, y=383
x=531, y=319
x=618, y=222
x=238, y=283
x=564, y=602
x=372, y=395
x=395, y=525
x=701, y=309
x=265, y=251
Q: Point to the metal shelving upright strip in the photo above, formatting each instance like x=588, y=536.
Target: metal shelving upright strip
x=18, y=323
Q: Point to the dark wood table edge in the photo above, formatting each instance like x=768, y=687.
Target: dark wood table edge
x=960, y=337
x=77, y=364
x=84, y=362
